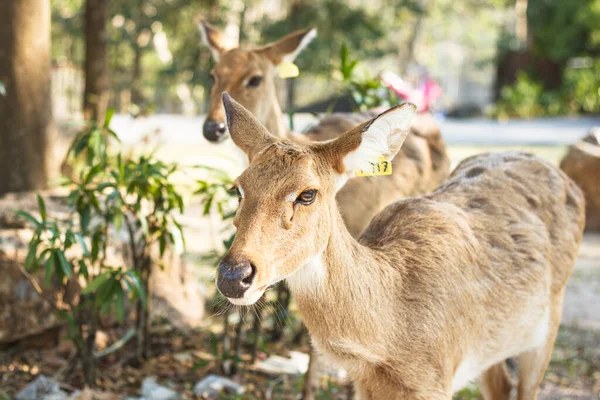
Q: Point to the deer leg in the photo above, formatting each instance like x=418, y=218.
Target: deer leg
x=533, y=363
x=495, y=383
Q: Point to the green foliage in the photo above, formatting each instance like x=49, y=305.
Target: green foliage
x=520, y=100
x=217, y=195
x=583, y=87
x=528, y=99
x=107, y=194
x=565, y=33
x=367, y=92
x=564, y=29
x=468, y=393
x=338, y=22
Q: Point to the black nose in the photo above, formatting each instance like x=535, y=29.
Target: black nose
x=235, y=277
x=214, y=131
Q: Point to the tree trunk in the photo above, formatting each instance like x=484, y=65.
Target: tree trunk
x=409, y=55
x=521, y=30
x=87, y=321
x=136, y=79
x=95, y=97
x=26, y=133
x=143, y=313
x=137, y=97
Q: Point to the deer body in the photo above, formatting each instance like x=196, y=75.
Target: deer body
x=438, y=290
x=441, y=288
x=420, y=167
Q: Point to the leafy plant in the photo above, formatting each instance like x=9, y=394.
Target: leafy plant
x=366, y=92
x=527, y=98
x=583, y=86
x=108, y=196
x=520, y=100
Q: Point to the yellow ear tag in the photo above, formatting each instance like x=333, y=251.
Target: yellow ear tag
x=288, y=70
x=381, y=168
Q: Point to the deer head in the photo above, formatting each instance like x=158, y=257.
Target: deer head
x=287, y=195
x=247, y=73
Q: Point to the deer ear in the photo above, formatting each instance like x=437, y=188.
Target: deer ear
x=213, y=39
x=382, y=136
x=287, y=48
x=246, y=131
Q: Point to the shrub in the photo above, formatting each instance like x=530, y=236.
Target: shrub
x=108, y=196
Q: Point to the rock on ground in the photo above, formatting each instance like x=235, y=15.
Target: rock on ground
x=213, y=385
x=153, y=391
x=42, y=388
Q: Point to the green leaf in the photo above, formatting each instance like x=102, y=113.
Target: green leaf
x=227, y=243
x=95, y=170
x=96, y=283
x=108, y=117
x=65, y=266
x=179, y=236
x=69, y=239
x=162, y=242
x=104, y=185
x=81, y=144
x=207, y=206
x=84, y=217
x=29, y=217
x=144, y=224
x=83, y=269
x=136, y=282
x=113, y=134
x=31, y=260
x=83, y=244
x=108, y=290
x=120, y=306
x=118, y=219
x=50, y=266
x=42, y=207
x=96, y=238
x=229, y=215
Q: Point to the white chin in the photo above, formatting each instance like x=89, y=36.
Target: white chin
x=248, y=299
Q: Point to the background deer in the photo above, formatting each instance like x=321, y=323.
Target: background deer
x=247, y=73
x=438, y=290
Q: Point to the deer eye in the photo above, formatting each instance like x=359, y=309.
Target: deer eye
x=213, y=77
x=307, y=197
x=254, y=81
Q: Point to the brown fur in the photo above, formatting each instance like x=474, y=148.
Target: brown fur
x=474, y=272
x=420, y=167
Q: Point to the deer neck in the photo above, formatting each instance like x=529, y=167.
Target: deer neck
x=274, y=120
x=340, y=291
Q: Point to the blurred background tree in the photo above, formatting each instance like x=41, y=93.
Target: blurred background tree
x=157, y=62
x=25, y=107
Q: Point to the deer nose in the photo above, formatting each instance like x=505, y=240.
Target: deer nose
x=214, y=131
x=234, y=278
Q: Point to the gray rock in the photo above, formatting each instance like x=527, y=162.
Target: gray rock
x=296, y=365
x=56, y=396
x=42, y=388
x=153, y=391
x=213, y=385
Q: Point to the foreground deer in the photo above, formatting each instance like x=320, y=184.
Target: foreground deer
x=247, y=73
x=438, y=290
